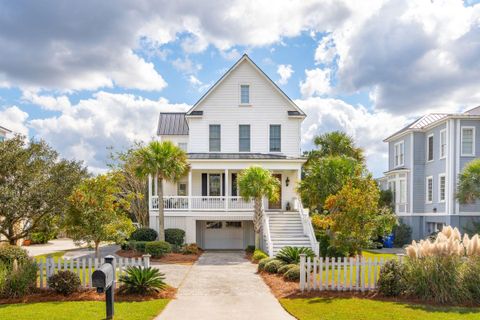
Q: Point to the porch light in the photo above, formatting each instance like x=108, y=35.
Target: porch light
x=287, y=181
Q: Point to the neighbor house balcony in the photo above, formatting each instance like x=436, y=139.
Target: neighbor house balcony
x=202, y=203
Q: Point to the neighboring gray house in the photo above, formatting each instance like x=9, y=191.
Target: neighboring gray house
x=424, y=161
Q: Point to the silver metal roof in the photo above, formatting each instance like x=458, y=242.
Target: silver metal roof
x=172, y=123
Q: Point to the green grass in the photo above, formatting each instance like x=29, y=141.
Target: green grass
x=55, y=255
x=82, y=310
x=372, y=255
x=364, y=309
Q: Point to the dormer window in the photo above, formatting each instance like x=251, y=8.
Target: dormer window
x=244, y=94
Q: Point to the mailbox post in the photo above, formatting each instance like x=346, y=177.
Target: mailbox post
x=104, y=280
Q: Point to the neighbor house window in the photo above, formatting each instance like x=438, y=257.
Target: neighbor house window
x=182, y=189
x=398, y=151
x=430, y=147
x=433, y=227
x=429, y=191
x=244, y=138
x=244, y=94
x=468, y=141
x=275, y=138
x=214, y=138
x=443, y=144
x=183, y=146
x=403, y=191
x=441, y=188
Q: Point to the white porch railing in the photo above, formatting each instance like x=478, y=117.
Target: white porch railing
x=307, y=227
x=200, y=203
x=266, y=234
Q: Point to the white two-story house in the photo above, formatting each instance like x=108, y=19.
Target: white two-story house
x=244, y=119
x=425, y=159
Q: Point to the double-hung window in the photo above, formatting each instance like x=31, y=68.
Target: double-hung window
x=214, y=143
x=275, y=138
x=468, y=141
x=441, y=187
x=443, y=144
x=244, y=94
x=399, y=154
x=430, y=148
x=403, y=191
x=244, y=138
x=429, y=190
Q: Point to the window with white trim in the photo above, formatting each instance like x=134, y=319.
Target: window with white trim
x=398, y=154
x=433, y=227
x=244, y=94
x=441, y=187
x=468, y=141
x=403, y=190
x=244, y=138
x=443, y=143
x=429, y=191
x=430, y=148
x=214, y=138
x=182, y=189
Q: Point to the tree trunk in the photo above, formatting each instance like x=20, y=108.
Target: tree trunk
x=13, y=242
x=161, y=214
x=97, y=252
x=257, y=220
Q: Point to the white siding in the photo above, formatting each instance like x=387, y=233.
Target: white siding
x=267, y=107
x=176, y=139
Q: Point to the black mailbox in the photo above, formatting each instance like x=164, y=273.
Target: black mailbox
x=102, y=278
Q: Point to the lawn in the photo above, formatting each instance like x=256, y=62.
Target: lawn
x=364, y=309
x=82, y=310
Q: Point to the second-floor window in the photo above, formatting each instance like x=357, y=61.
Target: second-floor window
x=214, y=143
x=244, y=94
x=275, y=138
x=468, y=141
x=399, y=154
x=441, y=188
x=429, y=191
x=430, y=148
x=443, y=144
x=244, y=137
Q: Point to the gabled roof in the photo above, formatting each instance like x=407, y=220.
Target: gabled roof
x=172, y=123
x=245, y=57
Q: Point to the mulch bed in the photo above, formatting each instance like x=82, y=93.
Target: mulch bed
x=170, y=258
x=45, y=295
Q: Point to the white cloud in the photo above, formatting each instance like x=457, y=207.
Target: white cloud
x=85, y=130
x=199, y=85
x=317, y=82
x=14, y=119
x=60, y=103
x=186, y=66
x=285, y=72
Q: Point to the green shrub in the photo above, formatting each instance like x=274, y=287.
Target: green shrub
x=285, y=268
x=293, y=274
x=391, y=281
x=259, y=255
x=39, y=237
x=21, y=281
x=435, y=278
x=263, y=262
x=10, y=253
x=140, y=280
x=250, y=249
x=292, y=254
x=138, y=245
x=4, y=272
x=144, y=234
x=272, y=266
x=191, y=248
x=158, y=249
x=175, y=236
x=470, y=274
x=64, y=282
x=402, y=235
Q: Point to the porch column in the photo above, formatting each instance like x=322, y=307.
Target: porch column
x=189, y=194
x=226, y=189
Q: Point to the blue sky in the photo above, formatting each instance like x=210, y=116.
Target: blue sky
x=92, y=75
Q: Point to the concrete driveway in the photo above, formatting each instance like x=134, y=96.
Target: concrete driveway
x=224, y=285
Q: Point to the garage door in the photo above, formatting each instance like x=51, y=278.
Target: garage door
x=223, y=235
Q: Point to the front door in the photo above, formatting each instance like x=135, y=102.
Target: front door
x=277, y=204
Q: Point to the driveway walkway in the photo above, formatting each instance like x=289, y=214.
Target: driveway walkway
x=224, y=285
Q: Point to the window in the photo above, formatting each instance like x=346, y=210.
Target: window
x=275, y=138
x=430, y=148
x=234, y=185
x=214, y=224
x=215, y=185
x=403, y=191
x=433, y=227
x=468, y=141
x=244, y=137
x=441, y=187
x=233, y=224
x=214, y=138
x=244, y=94
x=182, y=189
x=183, y=146
x=443, y=144
x=398, y=154
x=392, y=187
x=429, y=191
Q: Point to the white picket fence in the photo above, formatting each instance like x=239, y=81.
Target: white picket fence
x=339, y=274
x=84, y=268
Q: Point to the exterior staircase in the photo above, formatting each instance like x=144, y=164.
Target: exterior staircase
x=287, y=229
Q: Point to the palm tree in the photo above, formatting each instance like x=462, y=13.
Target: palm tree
x=337, y=143
x=257, y=183
x=469, y=183
x=166, y=162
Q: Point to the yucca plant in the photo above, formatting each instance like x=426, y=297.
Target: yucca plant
x=140, y=280
x=291, y=255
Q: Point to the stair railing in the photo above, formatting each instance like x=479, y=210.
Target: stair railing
x=308, y=227
x=266, y=234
